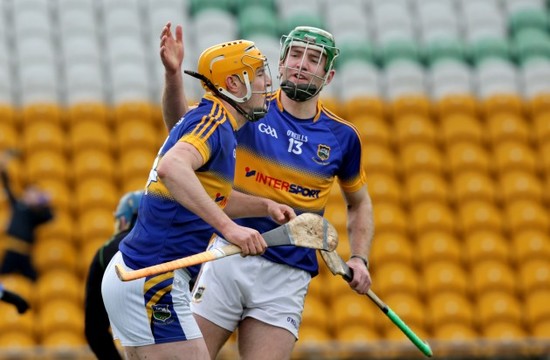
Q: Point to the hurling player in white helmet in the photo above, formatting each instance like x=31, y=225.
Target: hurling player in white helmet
x=186, y=200
x=294, y=155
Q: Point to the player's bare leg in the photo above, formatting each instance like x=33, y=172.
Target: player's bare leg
x=214, y=335
x=275, y=343
x=190, y=349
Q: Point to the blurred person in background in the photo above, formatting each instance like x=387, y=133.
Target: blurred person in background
x=28, y=212
x=300, y=150
x=11, y=297
x=96, y=320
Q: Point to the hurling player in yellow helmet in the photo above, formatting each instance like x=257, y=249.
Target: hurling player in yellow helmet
x=187, y=200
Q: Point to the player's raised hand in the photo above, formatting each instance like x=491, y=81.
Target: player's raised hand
x=171, y=48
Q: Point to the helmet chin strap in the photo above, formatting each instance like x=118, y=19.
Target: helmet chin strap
x=253, y=115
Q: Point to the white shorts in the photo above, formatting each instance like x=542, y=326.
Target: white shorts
x=151, y=310
x=233, y=288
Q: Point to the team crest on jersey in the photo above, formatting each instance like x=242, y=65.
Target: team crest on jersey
x=161, y=313
x=323, y=153
x=197, y=295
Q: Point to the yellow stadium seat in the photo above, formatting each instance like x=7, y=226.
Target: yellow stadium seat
x=498, y=306
x=409, y=308
x=390, y=217
x=17, y=341
x=458, y=127
x=9, y=136
x=517, y=185
x=485, y=245
x=462, y=156
x=450, y=308
x=95, y=193
x=384, y=187
x=317, y=285
x=392, y=246
x=42, y=112
x=39, y=136
x=539, y=104
x=133, y=184
x=316, y=314
x=394, y=277
x=526, y=214
x=424, y=185
x=472, y=185
x=541, y=330
x=479, y=215
x=91, y=134
x=374, y=106
x=378, y=158
x=352, y=309
x=9, y=114
x=12, y=321
x=492, y=275
x=136, y=164
x=59, y=315
x=536, y=307
x=420, y=157
x=46, y=164
x=137, y=135
x=93, y=163
x=530, y=244
x=544, y=162
x=19, y=284
x=440, y=276
x=88, y=111
x=504, y=331
x=337, y=216
x=541, y=128
x=438, y=245
x=133, y=112
x=456, y=103
x=507, y=127
x=431, y=216
x=87, y=252
x=62, y=340
x=454, y=332
x=59, y=192
x=534, y=274
x=514, y=155
x=61, y=227
x=96, y=224
x=411, y=104
x=411, y=128
x=312, y=335
x=54, y=253
x=60, y=284
x=372, y=129
x=499, y=103
x=357, y=334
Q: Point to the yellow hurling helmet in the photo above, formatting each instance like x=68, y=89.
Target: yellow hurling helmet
x=240, y=57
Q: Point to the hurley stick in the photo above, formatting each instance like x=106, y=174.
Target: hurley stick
x=338, y=267
x=305, y=230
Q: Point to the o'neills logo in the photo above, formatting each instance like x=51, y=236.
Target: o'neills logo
x=282, y=185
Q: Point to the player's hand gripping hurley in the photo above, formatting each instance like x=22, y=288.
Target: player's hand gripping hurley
x=305, y=230
x=338, y=267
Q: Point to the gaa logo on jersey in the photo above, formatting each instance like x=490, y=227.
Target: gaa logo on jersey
x=161, y=313
x=323, y=153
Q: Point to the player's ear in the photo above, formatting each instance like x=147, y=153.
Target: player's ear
x=330, y=76
x=232, y=83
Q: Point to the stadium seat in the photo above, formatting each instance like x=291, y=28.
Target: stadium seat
x=410, y=129
x=410, y=310
x=372, y=129
x=17, y=341
x=541, y=127
x=91, y=134
x=61, y=341
x=454, y=332
x=351, y=309
x=534, y=274
x=456, y=104
x=57, y=315
x=392, y=246
x=97, y=223
x=140, y=135
x=59, y=192
x=526, y=214
x=530, y=244
x=92, y=163
x=9, y=136
x=493, y=275
x=39, y=136
x=135, y=165
x=441, y=276
x=370, y=104
x=472, y=185
x=315, y=314
x=520, y=185
x=95, y=193
x=60, y=284
x=536, y=307
x=390, y=217
x=378, y=158
x=496, y=76
x=46, y=164
x=410, y=104
x=384, y=188
x=12, y=321
x=133, y=111
x=87, y=251
x=85, y=82
x=360, y=81
x=486, y=245
x=507, y=127
x=351, y=335
x=420, y=157
x=19, y=284
x=425, y=186
x=479, y=215
x=438, y=245
x=393, y=277
x=449, y=75
x=541, y=330
x=61, y=227
x=462, y=156
x=457, y=127
x=431, y=216
x=504, y=331
x=54, y=253
x=450, y=308
x=498, y=306
x=254, y=19
x=500, y=102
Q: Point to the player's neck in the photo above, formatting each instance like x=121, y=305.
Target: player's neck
x=300, y=110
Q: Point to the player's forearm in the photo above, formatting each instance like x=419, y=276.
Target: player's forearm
x=174, y=102
x=361, y=227
x=242, y=205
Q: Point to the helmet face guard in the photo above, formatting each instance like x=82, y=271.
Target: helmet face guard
x=308, y=38
x=239, y=58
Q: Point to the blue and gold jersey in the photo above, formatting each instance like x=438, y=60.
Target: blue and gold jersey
x=165, y=230
x=296, y=162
